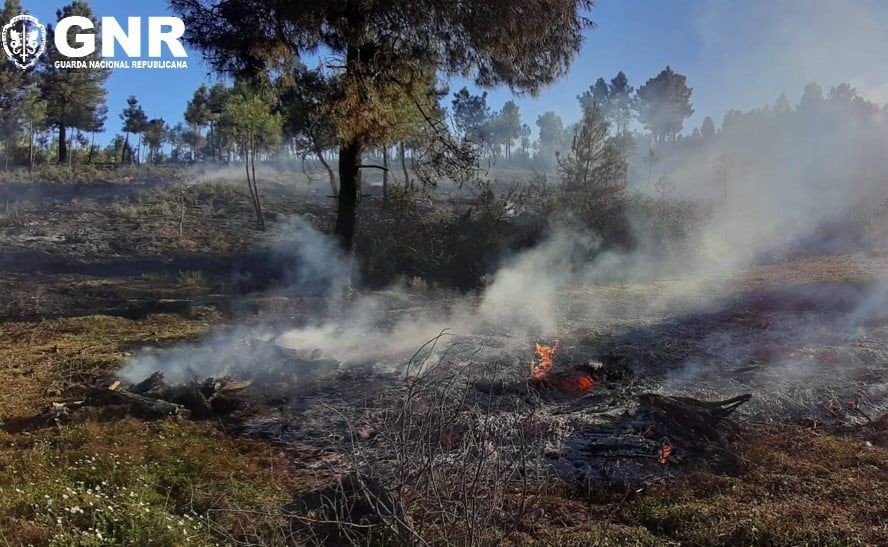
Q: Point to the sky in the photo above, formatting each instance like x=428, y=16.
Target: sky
x=734, y=54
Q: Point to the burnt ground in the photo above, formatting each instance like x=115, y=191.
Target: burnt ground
x=120, y=247
x=89, y=276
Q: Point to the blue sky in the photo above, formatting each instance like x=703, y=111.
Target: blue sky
x=735, y=54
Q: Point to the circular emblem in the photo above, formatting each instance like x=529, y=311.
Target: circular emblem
x=24, y=40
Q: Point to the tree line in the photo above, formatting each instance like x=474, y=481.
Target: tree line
x=43, y=100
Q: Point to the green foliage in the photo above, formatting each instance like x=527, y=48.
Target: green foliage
x=386, y=52
x=133, y=116
x=552, y=137
x=197, y=111
x=617, y=100
x=551, y=130
x=248, y=113
x=446, y=247
x=74, y=96
x=470, y=115
x=505, y=126
x=156, y=133
x=593, y=177
x=665, y=103
x=14, y=86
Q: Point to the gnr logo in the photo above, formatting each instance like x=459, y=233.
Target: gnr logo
x=24, y=38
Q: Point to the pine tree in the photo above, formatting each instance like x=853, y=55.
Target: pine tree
x=665, y=103
x=384, y=49
x=14, y=84
x=198, y=114
x=73, y=95
x=156, y=131
x=134, y=121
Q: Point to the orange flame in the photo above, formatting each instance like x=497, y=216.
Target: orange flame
x=585, y=383
x=575, y=383
x=540, y=369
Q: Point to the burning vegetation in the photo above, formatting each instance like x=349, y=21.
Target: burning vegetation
x=540, y=367
x=178, y=370
x=576, y=382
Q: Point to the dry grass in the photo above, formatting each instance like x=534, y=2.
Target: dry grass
x=800, y=488
x=38, y=360
x=125, y=481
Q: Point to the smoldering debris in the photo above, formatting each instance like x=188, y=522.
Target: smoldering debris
x=242, y=353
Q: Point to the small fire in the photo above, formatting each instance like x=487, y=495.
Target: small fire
x=574, y=383
x=585, y=383
x=540, y=369
x=665, y=451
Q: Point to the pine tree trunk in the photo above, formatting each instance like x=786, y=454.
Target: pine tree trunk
x=350, y=159
x=349, y=188
x=31, y=148
x=385, y=172
x=212, y=138
x=63, y=144
x=123, y=152
x=403, y=156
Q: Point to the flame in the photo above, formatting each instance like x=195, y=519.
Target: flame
x=575, y=383
x=585, y=383
x=665, y=452
x=540, y=369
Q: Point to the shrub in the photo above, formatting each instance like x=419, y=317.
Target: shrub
x=451, y=244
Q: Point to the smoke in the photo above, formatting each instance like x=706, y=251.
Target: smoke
x=313, y=262
x=758, y=50
x=381, y=328
x=783, y=180
x=294, y=177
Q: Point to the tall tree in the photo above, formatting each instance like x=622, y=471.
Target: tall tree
x=215, y=103
x=248, y=112
x=551, y=130
x=155, y=135
x=306, y=118
x=524, y=134
x=471, y=115
x=383, y=48
x=507, y=127
x=622, y=102
x=812, y=98
x=617, y=101
x=707, y=128
x=593, y=174
x=665, y=104
x=597, y=94
x=134, y=121
x=197, y=111
x=72, y=94
x=782, y=105
x=178, y=136
x=96, y=125
x=34, y=117
x=14, y=84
